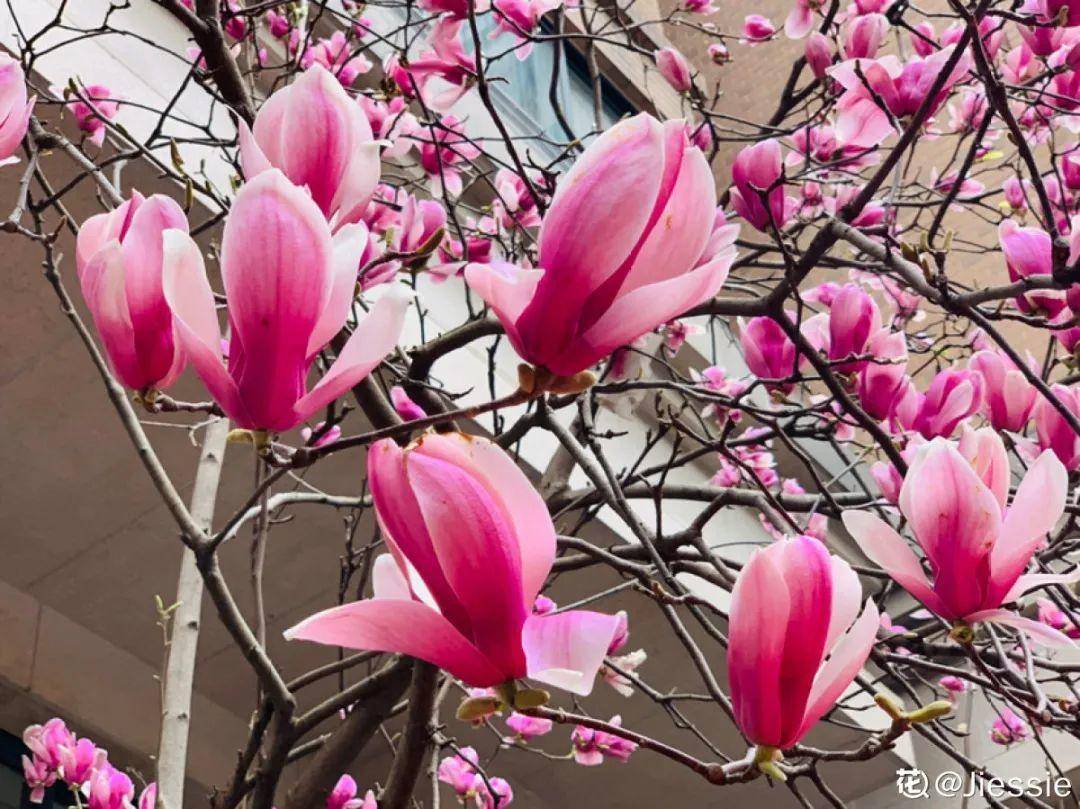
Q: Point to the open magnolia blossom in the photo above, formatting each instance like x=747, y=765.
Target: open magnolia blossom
x=289, y=284
x=603, y=281
x=471, y=544
x=796, y=640
x=978, y=545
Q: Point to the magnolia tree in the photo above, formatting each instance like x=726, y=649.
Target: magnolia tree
x=361, y=199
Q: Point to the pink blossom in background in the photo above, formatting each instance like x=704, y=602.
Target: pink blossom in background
x=675, y=69
x=446, y=61
x=1027, y=254
x=864, y=35
x=119, y=260
x=768, y=351
x=1053, y=431
x=455, y=9
x=405, y=407
x=278, y=24
x=443, y=150
x=458, y=771
x=719, y=53
x=758, y=188
x=602, y=282
x=819, y=55
x=954, y=499
x=954, y=685
x=390, y=121
x=78, y=762
x=46, y=741
x=528, y=728
x=757, y=29
x=336, y=161
x=515, y=204
x=520, y=17
x=456, y=511
x=1008, y=397
x=592, y=747
x=923, y=39
x=800, y=20
x=887, y=479
x=779, y=638
x=1052, y=615
x=15, y=108
x=343, y=795
x=334, y=54
x=233, y=22
x=881, y=379
x=110, y=789
x=277, y=248
x=1008, y=728
x=699, y=6
x=853, y=318
x=148, y=797
x=629, y=663
x=953, y=395
x=38, y=777
x=1015, y=192
x=94, y=105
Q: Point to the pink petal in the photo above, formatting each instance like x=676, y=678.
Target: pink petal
x=1036, y=630
x=839, y=671
x=885, y=548
x=646, y=308
x=507, y=289
x=478, y=553
x=401, y=627
x=521, y=503
x=106, y=297
x=188, y=292
x=374, y=337
x=1032, y=580
x=276, y=268
x=566, y=649
x=1036, y=507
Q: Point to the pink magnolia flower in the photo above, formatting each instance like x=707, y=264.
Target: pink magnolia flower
x=1008, y=397
x=95, y=105
x=864, y=35
x=1053, y=616
x=528, y=728
x=953, y=684
x=758, y=192
x=520, y=18
x=289, y=285
x=793, y=605
x=853, y=318
x=233, y=23
x=953, y=395
x=719, y=53
x=954, y=499
x=756, y=29
x=334, y=54
x=456, y=511
x=15, y=109
x=923, y=39
x=46, y=741
x=390, y=121
x=446, y=60
x=1053, y=431
x=320, y=139
x=901, y=87
x=591, y=747
x=38, y=776
x=405, y=407
x=819, y=55
x=78, y=762
x=278, y=24
x=675, y=69
x=602, y=281
x=836, y=149
x=148, y=797
x=119, y=259
x=1048, y=10
x=441, y=157
x=1070, y=169
x=498, y=796
x=1028, y=254
x=343, y=795
x=699, y=6
x=768, y=351
x=1008, y=728
x=881, y=380
x=458, y=771
x=515, y=204
x=800, y=20
x=110, y=789
x=1015, y=192
x=887, y=479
